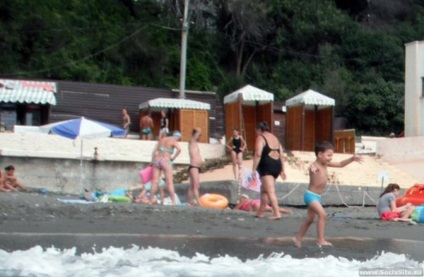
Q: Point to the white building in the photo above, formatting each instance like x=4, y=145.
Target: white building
x=414, y=89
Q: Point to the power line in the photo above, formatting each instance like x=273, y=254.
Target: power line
x=82, y=59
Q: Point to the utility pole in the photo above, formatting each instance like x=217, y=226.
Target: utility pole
x=184, y=50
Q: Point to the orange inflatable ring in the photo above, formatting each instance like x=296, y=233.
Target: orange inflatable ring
x=213, y=201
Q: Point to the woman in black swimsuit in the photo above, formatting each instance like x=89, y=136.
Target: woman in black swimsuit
x=236, y=145
x=268, y=160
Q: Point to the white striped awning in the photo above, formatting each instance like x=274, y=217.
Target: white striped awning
x=22, y=91
x=310, y=97
x=174, y=103
x=249, y=93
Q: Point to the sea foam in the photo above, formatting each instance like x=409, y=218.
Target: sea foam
x=157, y=262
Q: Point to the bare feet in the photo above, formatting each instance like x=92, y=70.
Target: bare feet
x=297, y=242
x=274, y=217
x=259, y=215
x=403, y=219
x=286, y=211
x=324, y=243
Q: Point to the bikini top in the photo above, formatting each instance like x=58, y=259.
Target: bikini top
x=163, y=149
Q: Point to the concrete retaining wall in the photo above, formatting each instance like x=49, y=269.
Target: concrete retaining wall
x=68, y=176
x=291, y=194
x=53, y=162
x=401, y=149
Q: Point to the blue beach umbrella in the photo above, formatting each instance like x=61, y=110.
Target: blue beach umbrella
x=82, y=128
x=85, y=129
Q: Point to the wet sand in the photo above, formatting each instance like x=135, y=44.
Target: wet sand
x=28, y=215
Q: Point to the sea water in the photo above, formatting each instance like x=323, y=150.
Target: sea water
x=156, y=262
x=146, y=255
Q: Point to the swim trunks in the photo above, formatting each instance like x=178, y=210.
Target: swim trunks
x=196, y=167
x=146, y=131
x=310, y=196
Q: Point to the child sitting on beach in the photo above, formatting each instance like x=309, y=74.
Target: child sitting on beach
x=317, y=182
x=3, y=187
x=252, y=205
x=10, y=181
x=387, y=209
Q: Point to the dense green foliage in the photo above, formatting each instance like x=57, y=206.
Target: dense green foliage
x=352, y=51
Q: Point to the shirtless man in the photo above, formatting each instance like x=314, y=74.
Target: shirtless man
x=146, y=127
x=126, y=121
x=196, y=163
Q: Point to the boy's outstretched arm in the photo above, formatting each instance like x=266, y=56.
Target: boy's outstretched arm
x=354, y=158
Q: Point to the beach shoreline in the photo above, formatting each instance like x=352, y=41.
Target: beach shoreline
x=43, y=213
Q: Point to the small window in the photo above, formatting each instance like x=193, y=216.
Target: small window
x=8, y=116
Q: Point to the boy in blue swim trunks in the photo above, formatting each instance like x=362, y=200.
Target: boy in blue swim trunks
x=317, y=182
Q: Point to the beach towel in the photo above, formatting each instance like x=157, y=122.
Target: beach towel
x=74, y=201
x=247, y=181
x=117, y=192
x=118, y=198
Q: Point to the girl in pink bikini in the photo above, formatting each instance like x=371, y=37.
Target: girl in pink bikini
x=252, y=205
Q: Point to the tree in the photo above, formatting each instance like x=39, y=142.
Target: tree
x=245, y=25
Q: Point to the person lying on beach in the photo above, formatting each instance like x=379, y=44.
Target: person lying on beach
x=387, y=209
x=144, y=195
x=252, y=205
x=10, y=181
